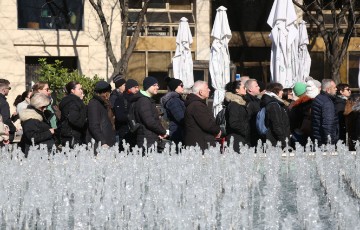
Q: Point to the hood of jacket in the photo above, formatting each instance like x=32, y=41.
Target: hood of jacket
x=30, y=113
x=168, y=96
x=301, y=100
x=66, y=100
x=193, y=97
x=268, y=98
x=231, y=97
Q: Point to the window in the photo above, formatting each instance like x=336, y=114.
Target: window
x=157, y=4
x=317, y=71
x=32, y=66
x=50, y=14
x=135, y=4
x=180, y=4
x=353, y=69
x=162, y=17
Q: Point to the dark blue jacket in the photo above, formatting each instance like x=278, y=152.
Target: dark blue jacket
x=324, y=119
x=175, y=111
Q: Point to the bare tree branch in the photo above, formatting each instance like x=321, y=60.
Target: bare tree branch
x=105, y=26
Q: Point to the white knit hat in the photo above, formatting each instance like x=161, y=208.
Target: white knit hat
x=311, y=89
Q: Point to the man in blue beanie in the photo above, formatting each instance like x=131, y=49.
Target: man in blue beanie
x=146, y=114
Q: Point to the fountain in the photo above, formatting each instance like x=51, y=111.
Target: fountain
x=273, y=189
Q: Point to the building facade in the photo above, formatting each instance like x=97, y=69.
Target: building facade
x=69, y=30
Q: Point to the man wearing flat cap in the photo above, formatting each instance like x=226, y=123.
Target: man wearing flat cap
x=100, y=116
x=147, y=114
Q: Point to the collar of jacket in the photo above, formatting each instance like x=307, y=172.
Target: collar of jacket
x=3, y=96
x=332, y=97
x=231, y=97
x=96, y=97
x=145, y=93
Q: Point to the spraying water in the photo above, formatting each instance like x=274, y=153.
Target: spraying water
x=272, y=189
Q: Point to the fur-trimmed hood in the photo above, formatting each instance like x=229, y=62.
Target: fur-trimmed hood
x=28, y=114
x=302, y=99
x=231, y=97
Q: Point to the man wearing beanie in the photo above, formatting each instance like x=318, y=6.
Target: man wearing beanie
x=300, y=115
x=131, y=86
x=146, y=114
x=174, y=107
x=119, y=82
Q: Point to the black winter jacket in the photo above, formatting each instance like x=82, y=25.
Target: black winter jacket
x=73, y=123
x=276, y=120
x=237, y=117
x=175, y=112
x=340, y=102
x=121, y=110
x=5, y=113
x=200, y=125
x=35, y=126
x=253, y=108
x=147, y=115
x=100, y=127
x=324, y=119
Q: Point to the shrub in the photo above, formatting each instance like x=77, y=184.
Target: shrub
x=58, y=77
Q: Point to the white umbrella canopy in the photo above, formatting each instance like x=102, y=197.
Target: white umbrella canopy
x=182, y=60
x=304, y=56
x=284, y=36
x=219, y=64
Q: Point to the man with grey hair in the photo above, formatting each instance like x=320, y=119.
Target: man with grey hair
x=253, y=107
x=5, y=108
x=323, y=114
x=200, y=126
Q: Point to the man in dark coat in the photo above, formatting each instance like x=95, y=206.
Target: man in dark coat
x=118, y=106
x=119, y=82
x=342, y=95
x=147, y=114
x=253, y=107
x=5, y=108
x=175, y=109
x=276, y=118
x=200, y=126
x=323, y=114
x=100, y=117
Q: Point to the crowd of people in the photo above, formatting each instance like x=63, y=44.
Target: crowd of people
x=325, y=112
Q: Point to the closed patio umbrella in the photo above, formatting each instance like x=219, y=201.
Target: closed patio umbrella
x=182, y=61
x=284, y=50
x=304, y=56
x=219, y=64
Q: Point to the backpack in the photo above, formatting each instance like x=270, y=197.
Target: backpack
x=260, y=120
x=221, y=121
x=133, y=124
